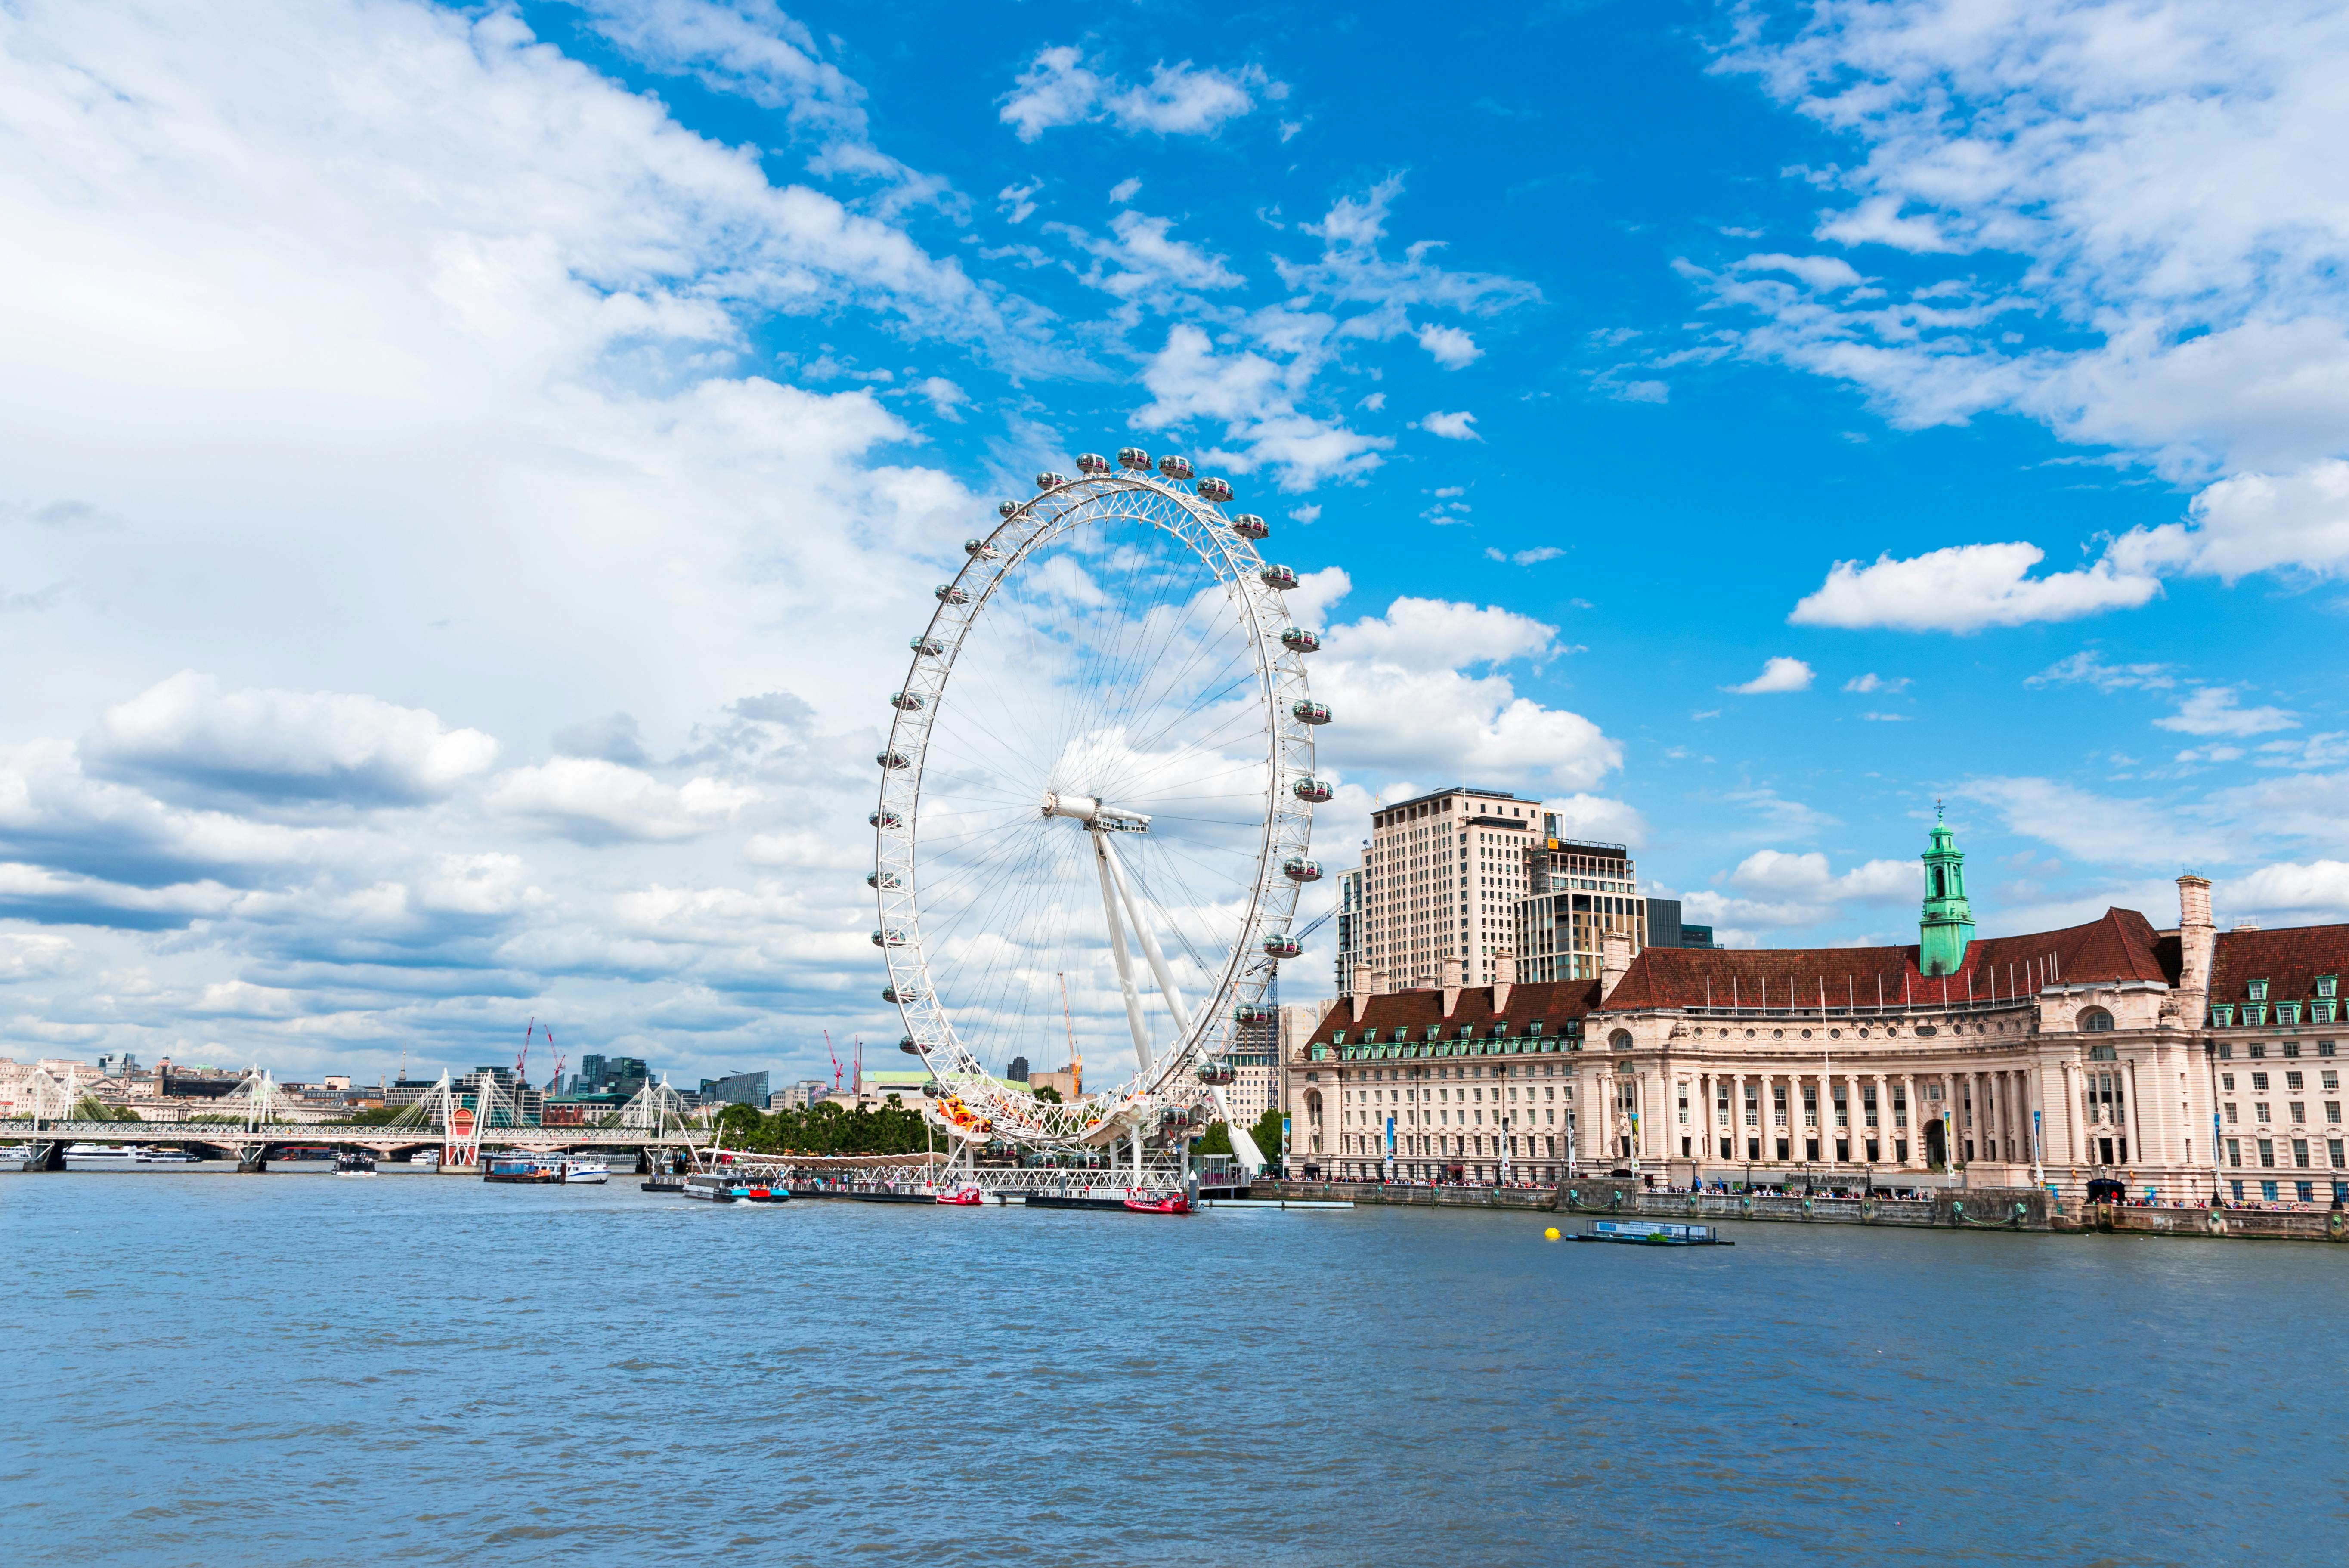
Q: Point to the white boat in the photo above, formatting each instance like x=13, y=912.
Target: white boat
x=355, y=1162
x=171, y=1156
x=584, y=1171
x=104, y=1156
x=425, y=1157
x=711, y=1189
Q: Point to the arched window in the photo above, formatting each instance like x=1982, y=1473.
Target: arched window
x=2095, y=1021
x=1620, y=1040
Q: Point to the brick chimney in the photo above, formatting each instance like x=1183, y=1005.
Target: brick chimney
x=1614, y=958
x=1504, y=964
x=2198, y=938
x=1451, y=999
x=1359, y=994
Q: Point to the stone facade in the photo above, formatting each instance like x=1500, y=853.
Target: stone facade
x=2106, y=1051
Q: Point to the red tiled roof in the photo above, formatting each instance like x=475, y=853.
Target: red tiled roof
x=1552, y=1002
x=2287, y=960
x=2121, y=946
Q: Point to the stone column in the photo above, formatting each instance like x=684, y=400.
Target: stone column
x=1911, y=1134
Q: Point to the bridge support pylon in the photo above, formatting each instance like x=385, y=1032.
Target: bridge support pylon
x=252, y=1159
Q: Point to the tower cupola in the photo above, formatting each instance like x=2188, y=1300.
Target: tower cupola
x=1948, y=922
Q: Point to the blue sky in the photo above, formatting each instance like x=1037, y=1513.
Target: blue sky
x=471, y=472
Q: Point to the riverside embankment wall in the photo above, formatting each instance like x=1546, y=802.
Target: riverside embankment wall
x=1975, y=1209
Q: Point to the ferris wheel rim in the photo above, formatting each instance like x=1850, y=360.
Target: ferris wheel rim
x=1282, y=840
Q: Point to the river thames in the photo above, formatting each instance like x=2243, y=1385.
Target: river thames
x=297, y=1369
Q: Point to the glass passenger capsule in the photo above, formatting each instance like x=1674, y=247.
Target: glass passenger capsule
x=1005, y=508
x=1311, y=712
x=1278, y=577
x=949, y=594
x=1214, y=490
x=893, y=760
x=905, y=701
x=933, y=648
x=1174, y=468
x=931, y=1088
x=1051, y=481
x=1091, y=463
x=979, y=547
x=881, y=879
x=1252, y=1013
x=905, y=1043
x=1297, y=869
x=1298, y=640
x=1311, y=789
x=1247, y=525
x=1217, y=1072
x=1282, y=947
x=1133, y=457
x=888, y=939
x=883, y=819
x=909, y=994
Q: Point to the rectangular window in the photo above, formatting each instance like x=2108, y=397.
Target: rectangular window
x=2234, y=1151
x=1810, y=1105
x=2227, y=1082
x=2288, y=1013
x=2255, y=1015
x=2300, y=1152
x=2291, y=1081
x=2258, y=1080
x=2230, y=1108
x=2257, y=990
x=2328, y=987
x=2332, y=1151
x=1842, y=1107
x=2267, y=1190
x=2222, y=1018
x=2226, y=1051
x=2259, y=1109
x=2257, y=1051
x=2298, y=1111
x=2267, y=1154
x=2237, y=1188
x=2332, y=1110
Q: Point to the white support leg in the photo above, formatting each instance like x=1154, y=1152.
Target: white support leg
x=1243, y=1144
x=1157, y=960
x=1117, y=952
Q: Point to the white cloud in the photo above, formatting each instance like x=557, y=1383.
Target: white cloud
x=1150, y=262
x=1964, y=588
x=1776, y=890
x=186, y=733
x=597, y=802
x=2212, y=711
x=1452, y=427
x=2289, y=891
x=2253, y=522
x=1643, y=392
x=1058, y=89
x=2164, y=177
x=1778, y=675
x=1450, y=347
x=1126, y=190
x=2087, y=666
x=1823, y=272
x=1872, y=681
x=1533, y=557
x=1254, y=399
x=1413, y=667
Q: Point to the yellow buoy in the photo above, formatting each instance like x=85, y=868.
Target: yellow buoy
x=1550, y=1234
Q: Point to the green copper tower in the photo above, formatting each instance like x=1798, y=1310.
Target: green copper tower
x=1947, y=924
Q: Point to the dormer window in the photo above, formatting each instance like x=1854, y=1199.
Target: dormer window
x=2257, y=991
x=2255, y=1015
x=1370, y=1036
x=2287, y=1012
x=2322, y=1012
x=2222, y=1017
x=1534, y=1027
x=2327, y=986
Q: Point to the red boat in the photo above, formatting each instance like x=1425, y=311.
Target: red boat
x=1173, y=1204
x=964, y=1197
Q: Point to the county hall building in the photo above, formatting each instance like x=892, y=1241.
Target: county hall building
x=2180, y=1060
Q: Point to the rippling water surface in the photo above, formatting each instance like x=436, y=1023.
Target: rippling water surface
x=211, y=1369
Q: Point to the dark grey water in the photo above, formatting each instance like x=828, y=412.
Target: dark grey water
x=294, y=1369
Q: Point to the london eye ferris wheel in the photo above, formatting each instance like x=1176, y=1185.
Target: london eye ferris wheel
x=1099, y=776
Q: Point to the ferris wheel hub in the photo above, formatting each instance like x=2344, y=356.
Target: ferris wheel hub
x=1094, y=814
